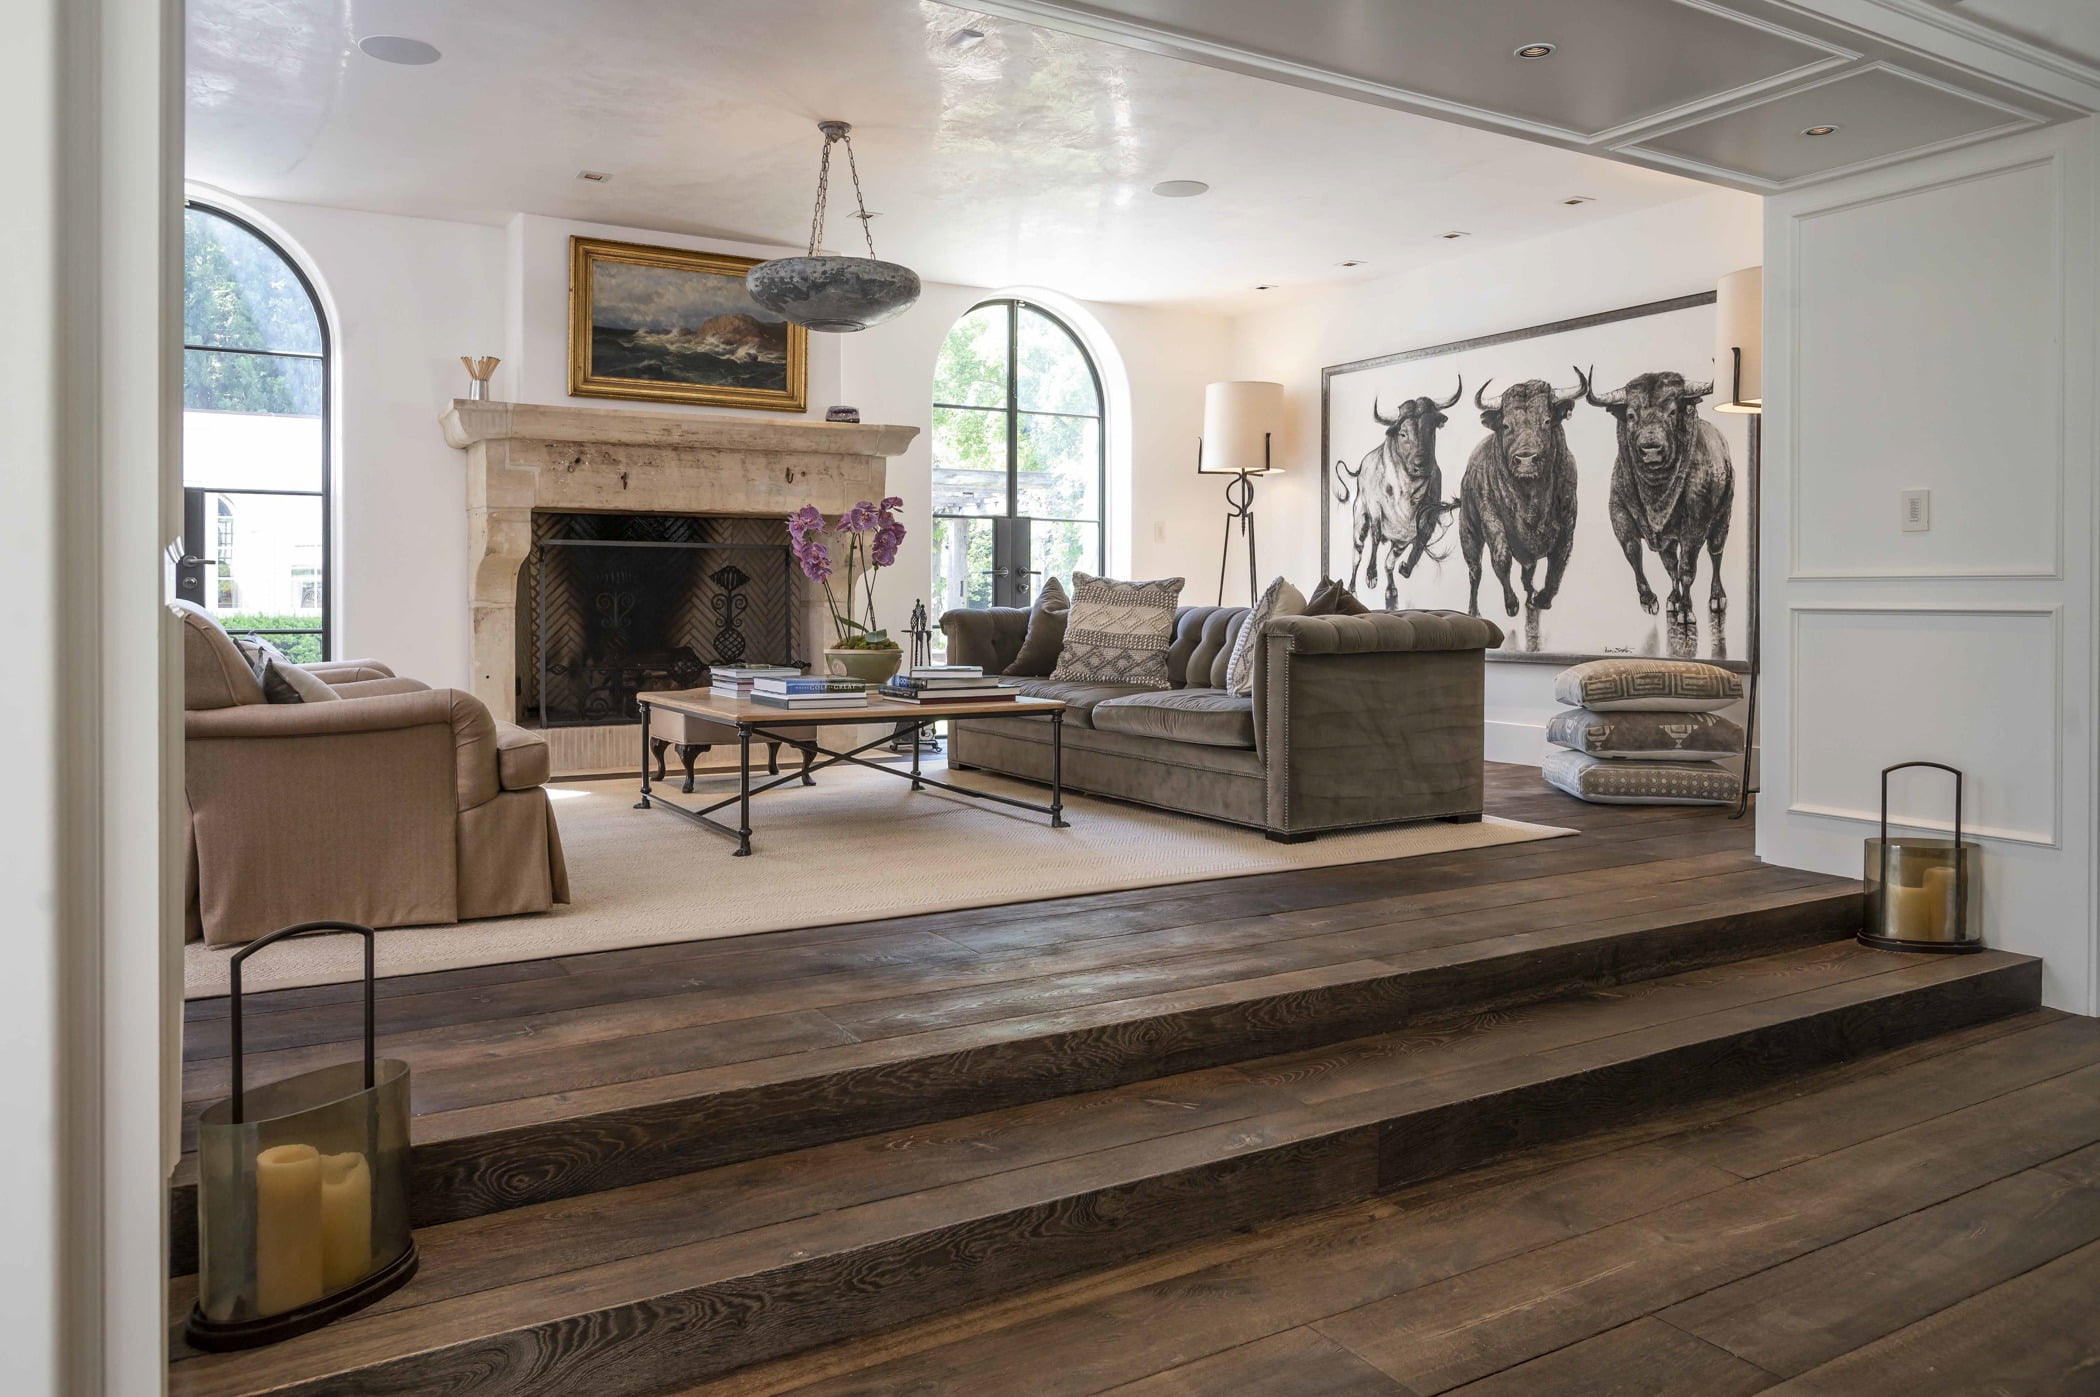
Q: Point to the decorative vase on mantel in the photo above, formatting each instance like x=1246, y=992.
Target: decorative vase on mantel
x=877, y=667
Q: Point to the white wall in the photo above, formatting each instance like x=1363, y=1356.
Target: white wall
x=405, y=298
x=1675, y=250
x=1932, y=327
x=536, y=339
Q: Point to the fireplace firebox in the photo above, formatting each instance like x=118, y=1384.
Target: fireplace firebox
x=618, y=605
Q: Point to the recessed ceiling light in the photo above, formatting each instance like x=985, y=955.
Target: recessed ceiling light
x=393, y=48
x=1533, y=51
x=1180, y=188
x=964, y=39
x=1579, y=199
x=1266, y=286
x=1352, y=262
x=1819, y=130
x=593, y=176
x=1452, y=234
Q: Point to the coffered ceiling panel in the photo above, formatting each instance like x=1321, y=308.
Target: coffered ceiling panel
x=1711, y=87
x=1878, y=114
x=1615, y=62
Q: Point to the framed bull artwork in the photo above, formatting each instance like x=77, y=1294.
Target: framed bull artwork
x=1565, y=481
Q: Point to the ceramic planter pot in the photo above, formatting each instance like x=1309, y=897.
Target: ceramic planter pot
x=875, y=666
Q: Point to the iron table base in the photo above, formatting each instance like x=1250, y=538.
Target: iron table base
x=812, y=750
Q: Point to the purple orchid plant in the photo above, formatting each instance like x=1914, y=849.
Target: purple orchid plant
x=871, y=534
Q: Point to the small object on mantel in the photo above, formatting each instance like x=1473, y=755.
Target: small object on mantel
x=842, y=414
x=1923, y=894
x=481, y=371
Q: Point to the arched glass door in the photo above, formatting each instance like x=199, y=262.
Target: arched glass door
x=1019, y=461
x=255, y=405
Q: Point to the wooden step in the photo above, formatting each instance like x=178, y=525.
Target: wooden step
x=639, y=1289
x=962, y=1049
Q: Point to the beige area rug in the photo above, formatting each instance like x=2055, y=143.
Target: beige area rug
x=857, y=846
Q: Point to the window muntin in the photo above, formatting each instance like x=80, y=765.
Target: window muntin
x=1019, y=457
x=255, y=440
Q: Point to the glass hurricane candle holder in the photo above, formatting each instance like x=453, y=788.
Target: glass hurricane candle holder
x=302, y=1188
x=1923, y=894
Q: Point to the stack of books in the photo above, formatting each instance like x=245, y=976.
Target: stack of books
x=808, y=691
x=736, y=682
x=932, y=684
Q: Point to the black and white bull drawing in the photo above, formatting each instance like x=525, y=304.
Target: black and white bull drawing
x=1398, y=494
x=1672, y=490
x=1517, y=501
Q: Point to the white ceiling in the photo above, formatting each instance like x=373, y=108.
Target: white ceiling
x=1027, y=159
x=1329, y=130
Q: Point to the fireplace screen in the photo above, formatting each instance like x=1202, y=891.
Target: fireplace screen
x=624, y=604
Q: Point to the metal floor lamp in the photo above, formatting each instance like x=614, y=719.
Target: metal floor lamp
x=1240, y=422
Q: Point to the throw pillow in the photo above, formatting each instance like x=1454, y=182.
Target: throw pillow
x=1118, y=632
x=285, y=682
x=1662, y=686
x=1331, y=598
x=1647, y=735
x=1280, y=598
x=1640, y=783
x=1046, y=632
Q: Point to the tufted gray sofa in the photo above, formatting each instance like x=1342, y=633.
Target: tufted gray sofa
x=1354, y=720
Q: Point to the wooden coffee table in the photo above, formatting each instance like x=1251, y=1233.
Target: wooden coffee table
x=792, y=727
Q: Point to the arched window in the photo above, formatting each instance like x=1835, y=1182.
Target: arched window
x=1019, y=462
x=255, y=404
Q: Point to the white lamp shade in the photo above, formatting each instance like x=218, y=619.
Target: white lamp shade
x=1241, y=422
x=1739, y=311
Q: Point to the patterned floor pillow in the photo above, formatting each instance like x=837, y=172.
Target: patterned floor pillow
x=1674, y=686
x=1647, y=735
x=1640, y=783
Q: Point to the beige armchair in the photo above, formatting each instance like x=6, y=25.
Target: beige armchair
x=399, y=805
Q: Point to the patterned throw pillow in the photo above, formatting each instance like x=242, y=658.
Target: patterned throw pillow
x=1640, y=783
x=1662, y=686
x=1645, y=735
x=1118, y=632
x=1279, y=599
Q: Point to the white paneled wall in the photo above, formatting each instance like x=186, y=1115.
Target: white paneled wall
x=1932, y=327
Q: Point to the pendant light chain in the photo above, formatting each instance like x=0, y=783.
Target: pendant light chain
x=816, y=221
x=853, y=169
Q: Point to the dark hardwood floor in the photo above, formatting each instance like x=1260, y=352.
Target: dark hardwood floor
x=638, y=1170
x=1921, y=1222
x=506, y=1044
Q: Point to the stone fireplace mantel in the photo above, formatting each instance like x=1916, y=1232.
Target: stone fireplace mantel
x=527, y=456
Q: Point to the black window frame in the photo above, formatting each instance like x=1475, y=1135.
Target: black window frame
x=1011, y=546
x=196, y=528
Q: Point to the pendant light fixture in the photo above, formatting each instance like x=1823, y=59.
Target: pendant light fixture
x=837, y=294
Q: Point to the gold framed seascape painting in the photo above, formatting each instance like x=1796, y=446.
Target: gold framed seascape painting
x=667, y=325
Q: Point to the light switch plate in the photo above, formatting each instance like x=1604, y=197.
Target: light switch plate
x=1916, y=508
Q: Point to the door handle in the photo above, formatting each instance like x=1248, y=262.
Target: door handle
x=191, y=560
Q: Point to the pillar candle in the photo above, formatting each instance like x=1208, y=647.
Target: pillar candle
x=346, y=1219
x=1939, y=894
x=287, y=1228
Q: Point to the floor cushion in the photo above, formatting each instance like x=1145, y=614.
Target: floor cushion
x=1640, y=783
x=1670, y=686
x=1207, y=717
x=1646, y=735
